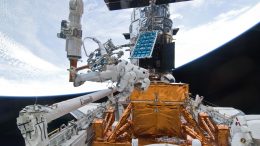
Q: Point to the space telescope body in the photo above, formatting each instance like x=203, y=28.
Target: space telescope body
x=145, y=106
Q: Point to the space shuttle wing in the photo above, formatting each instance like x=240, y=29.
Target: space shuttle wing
x=125, y=4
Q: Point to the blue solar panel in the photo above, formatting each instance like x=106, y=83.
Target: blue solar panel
x=144, y=45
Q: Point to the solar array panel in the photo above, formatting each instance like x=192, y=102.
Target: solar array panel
x=144, y=45
x=125, y=4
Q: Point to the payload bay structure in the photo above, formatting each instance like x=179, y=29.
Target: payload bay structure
x=145, y=106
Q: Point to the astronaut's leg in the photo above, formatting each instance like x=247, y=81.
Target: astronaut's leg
x=82, y=78
x=93, y=76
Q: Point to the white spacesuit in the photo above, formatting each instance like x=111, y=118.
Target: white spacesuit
x=127, y=76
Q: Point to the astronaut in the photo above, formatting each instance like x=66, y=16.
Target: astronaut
x=127, y=76
x=104, y=66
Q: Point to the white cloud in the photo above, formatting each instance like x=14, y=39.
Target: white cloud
x=195, y=42
x=24, y=74
x=19, y=52
x=193, y=4
x=231, y=14
x=176, y=16
x=197, y=3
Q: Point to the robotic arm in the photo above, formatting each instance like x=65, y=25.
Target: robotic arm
x=72, y=33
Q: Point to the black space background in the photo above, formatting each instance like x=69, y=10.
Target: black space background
x=227, y=76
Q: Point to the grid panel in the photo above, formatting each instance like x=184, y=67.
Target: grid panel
x=144, y=45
